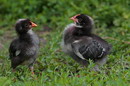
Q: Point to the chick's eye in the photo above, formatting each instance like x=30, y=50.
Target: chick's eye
x=80, y=20
x=30, y=23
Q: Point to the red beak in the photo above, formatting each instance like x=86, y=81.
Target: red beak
x=33, y=24
x=74, y=18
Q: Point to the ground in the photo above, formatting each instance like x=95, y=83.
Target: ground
x=54, y=68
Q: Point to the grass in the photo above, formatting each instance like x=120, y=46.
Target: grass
x=54, y=68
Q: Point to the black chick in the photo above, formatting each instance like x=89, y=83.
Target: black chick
x=81, y=44
x=24, y=49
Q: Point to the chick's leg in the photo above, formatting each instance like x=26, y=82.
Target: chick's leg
x=99, y=63
x=32, y=69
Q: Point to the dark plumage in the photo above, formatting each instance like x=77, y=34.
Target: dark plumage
x=24, y=49
x=81, y=44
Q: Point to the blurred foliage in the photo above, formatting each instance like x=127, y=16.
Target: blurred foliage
x=107, y=13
